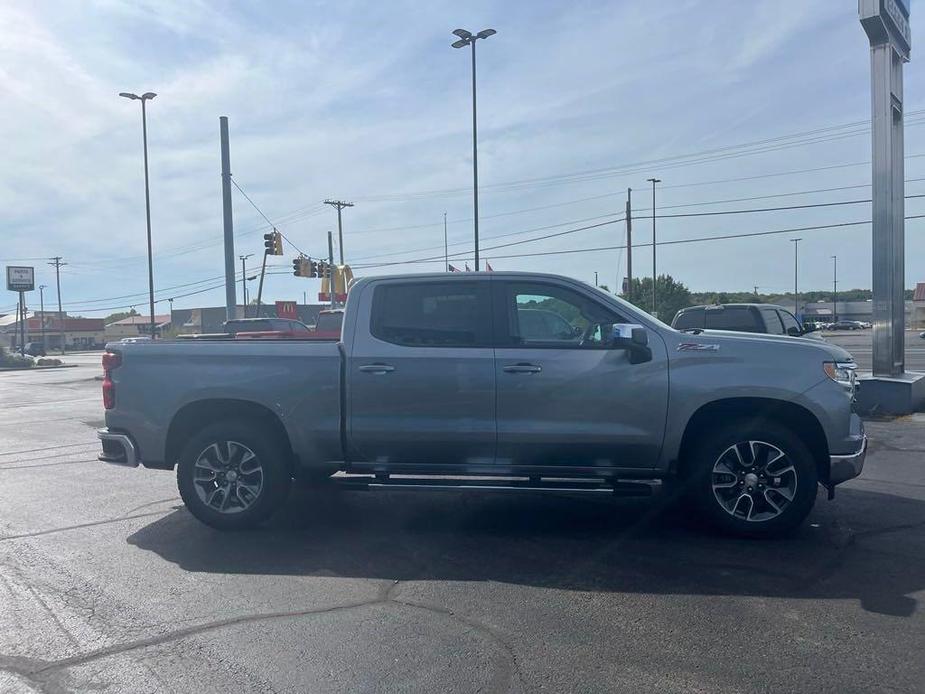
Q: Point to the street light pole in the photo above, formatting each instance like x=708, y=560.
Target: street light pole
x=144, y=135
x=653, y=181
x=446, y=247
x=796, y=295
x=467, y=38
x=834, y=288
x=244, y=280
x=42, y=311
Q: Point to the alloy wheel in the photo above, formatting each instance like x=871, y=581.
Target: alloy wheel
x=754, y=481
x=228, y=477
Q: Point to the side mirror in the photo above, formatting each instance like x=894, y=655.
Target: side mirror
x=633, y=338
x=795, y=332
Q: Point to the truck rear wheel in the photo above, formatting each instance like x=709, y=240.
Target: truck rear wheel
x=753, y=479
x=232, y=475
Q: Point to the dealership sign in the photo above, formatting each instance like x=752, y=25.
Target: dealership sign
x=20, y=278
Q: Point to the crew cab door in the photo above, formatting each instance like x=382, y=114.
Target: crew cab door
x=420, y=375
x=564, y=397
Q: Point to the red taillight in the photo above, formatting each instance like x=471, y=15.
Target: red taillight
x=111, y=360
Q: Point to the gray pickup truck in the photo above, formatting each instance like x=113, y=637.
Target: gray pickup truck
x=486, y=381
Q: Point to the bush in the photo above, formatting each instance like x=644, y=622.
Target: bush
x=12, y=359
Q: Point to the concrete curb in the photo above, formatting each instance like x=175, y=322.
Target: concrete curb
x=38, y=368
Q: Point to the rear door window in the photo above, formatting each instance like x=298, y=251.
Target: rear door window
x=772, y=321
x=791, y=326
x=432, y=314
x=688, y=320
x=741, y=318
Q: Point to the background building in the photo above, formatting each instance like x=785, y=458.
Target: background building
x=135, y=326
x=79, y=333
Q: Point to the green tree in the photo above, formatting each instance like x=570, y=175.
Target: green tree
x=671, y=295
x=113, y=317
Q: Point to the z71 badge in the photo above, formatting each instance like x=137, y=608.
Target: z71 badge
x=697, y=347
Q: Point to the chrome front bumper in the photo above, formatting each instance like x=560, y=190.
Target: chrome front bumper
x=845, y=467
x=118, y=449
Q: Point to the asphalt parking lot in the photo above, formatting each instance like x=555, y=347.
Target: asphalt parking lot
x=858, y=342
x=108, y=584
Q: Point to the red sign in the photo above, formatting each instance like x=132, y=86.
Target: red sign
x=287, y=309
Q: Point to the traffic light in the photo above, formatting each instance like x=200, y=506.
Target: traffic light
x=304, y=267
x=273, y=243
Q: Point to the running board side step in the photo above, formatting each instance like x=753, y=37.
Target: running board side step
x=370, y=482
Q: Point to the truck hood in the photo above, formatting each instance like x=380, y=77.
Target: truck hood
x=832, y=352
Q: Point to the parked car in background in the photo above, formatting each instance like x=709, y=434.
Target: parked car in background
x=745, y=318
x=846, y=325
x=328, y=325
x=35, y=349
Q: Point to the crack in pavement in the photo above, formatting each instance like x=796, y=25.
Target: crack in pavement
x=52, y=531
x=44, y=673
x=62, y=462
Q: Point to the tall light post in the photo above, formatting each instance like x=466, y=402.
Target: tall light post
x=834, y=288
x=144, y=135
x=42, y=288
x=653, y=181
x=796, y=260
x=243, y=259
x=467, y=38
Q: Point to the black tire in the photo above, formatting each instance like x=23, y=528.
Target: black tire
x=769, y=491
x=234, y=438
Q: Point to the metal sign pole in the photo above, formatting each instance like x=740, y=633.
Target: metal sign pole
x=887, y=27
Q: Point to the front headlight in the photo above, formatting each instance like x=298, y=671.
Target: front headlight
x=842, y=372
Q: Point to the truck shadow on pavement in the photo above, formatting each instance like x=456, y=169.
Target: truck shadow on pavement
x=866, y=546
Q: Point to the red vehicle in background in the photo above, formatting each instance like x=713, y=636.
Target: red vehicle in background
x=329, y=323
x=278, y=328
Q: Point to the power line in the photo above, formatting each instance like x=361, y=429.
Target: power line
x=569, y=251
x=254, y=205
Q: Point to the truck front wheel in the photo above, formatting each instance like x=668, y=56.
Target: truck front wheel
x=232, y=475
x=755, y=479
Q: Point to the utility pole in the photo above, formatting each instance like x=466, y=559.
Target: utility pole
x=56, y=262
x=796, y=296
x=227, y=221
x=42, y=288
x=595, y=278
x=653, y=181
x=756, y=291
x=244, y=280
x=629, y=245
x=331, y=265
x=446, y=247
x=834, y=288
x=339, y=205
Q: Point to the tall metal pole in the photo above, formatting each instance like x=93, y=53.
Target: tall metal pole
x=56, y=261
x=263, y=271
x=228, y=221
x=144, y=136
x=629, y=245
x=446, y=247
x=331, y=286
x=244, y=280
x=796, y=260
x=886, y=23
x=654, y=272
x=595, y=278
x=834, y=287
x=42, y=311
x=22, y=324
x=475, y=163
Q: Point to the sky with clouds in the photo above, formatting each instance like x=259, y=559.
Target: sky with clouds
x=367, y=102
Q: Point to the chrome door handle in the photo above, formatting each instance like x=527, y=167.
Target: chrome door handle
x=522, y=369
x=377, y=368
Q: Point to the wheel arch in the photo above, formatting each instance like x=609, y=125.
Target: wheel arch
x=797, y=418
x=196, y=415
